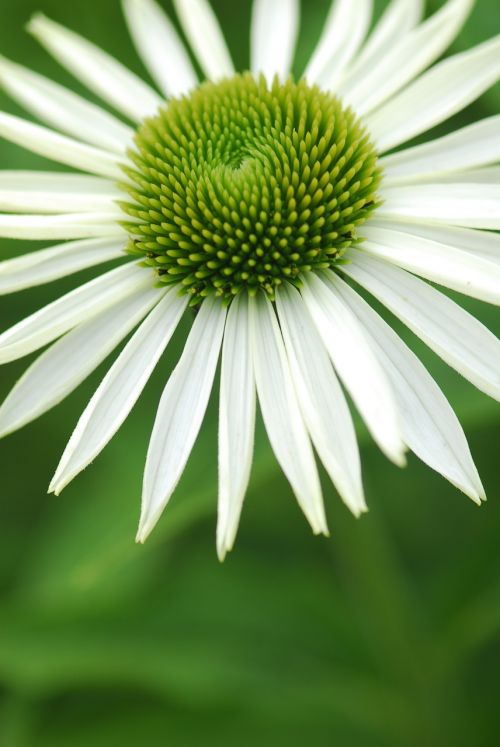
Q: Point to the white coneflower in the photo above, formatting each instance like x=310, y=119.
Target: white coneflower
x=264, y=203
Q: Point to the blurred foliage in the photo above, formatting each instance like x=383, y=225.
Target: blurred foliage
x=385, y=635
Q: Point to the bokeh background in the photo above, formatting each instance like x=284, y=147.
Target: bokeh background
x=385, y=635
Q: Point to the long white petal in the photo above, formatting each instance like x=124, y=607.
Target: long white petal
x=160, y=47
x=281, y=412
x=454, y=268
x=405, y=59
x=469, y=148
x=100, y=72
x=345, y=28
x=323, y=404
x=181, y=412
x=456, y=336
x=49, y=144
x=45, y=265
x=54, y=192
x=63, y=109
x=60, y=227
x=236, y=423
x=439, y=93
x=119, y=390
x=483, y=244
x=275, y=27
x=355, y=363
x=467, y=205
x=399, y=17
x=483, y=176
x=58, y=371
x=66, y=312
x=205, y=35
x=430, y=427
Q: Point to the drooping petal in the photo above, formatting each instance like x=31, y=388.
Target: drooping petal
x=281, y=413
x=205, y=35
x=454, y=268
x=58, y=148
x=61, y=227
x=54, y=192
x=96, y=69
x=456, y=336
x=275, y=27
x=160, y=47
x=324, y=407
x=236, y=423
x=430, y=427
x=45, y=265
x=469, y=148
x=483, y=176
x=345, y=29
x=439, y=93
x=63, y=109
x=466, y=205
x=181, y=412
x=373, y=84
x=355, y=363
x=120, y=389
x=63, y=367
x=482, y=244
x=74, y=307
x=399, y=18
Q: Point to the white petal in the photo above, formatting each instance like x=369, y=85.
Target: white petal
x=466, y=205
x=58, y=317
x=322, y=401
x=236, y=423
x=355, y=363
x=454, y=268
x=483, y=244
x=181, y=412
x=281, y=412
x=468, y=148
x=275, y=27
x=58, y=371
x=430, y=427
x=443, y=91
x=100, y=72
x=58, y=148
x=160, y=47
x=45, y=265
x=345, y=28
x=119, y=390
x=399, y=17
x=205, y=35
x=486, y=175
x=63, y=109
x=405, y=59
x=54, y=192
x=456, y=336
x=59, y=227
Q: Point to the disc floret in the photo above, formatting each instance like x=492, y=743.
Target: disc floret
x=241, y=185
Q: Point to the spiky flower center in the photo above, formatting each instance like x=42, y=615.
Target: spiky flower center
x=242, y=185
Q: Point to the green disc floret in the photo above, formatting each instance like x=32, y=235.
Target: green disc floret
x=241, y=185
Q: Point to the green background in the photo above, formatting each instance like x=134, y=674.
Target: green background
x=385, y=635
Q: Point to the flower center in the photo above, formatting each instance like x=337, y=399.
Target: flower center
x=242, y=185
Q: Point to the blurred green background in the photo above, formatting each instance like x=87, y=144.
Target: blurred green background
x=385, y=635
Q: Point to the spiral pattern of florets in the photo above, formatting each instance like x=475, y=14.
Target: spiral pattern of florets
x=241, y=185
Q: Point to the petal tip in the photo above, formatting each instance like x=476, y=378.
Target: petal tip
x=36, y=21
x=222, y=553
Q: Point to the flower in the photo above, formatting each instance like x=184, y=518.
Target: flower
x=268, y=205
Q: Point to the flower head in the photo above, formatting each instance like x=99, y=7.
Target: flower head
x=241, y=186
x=267, y=202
